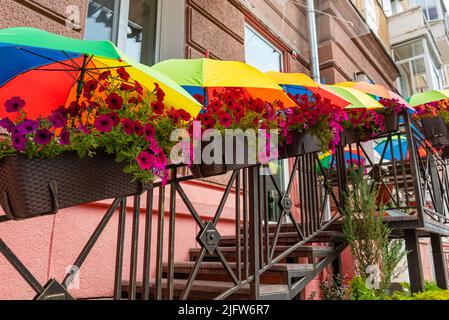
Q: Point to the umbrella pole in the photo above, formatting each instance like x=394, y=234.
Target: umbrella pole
x=79, y=89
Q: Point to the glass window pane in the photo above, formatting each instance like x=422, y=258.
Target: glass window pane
x=140, y=41
x=406, y=79
x=100, y=20
x=260, y=54
x=420, y=75
x=408, y=51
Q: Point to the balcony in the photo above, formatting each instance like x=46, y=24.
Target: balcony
x=440, y=31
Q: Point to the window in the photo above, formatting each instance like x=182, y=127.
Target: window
x=260, y=53
x=431, y=8
x=130, y=24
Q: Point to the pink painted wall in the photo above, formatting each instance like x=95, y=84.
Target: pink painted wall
x=49, y=245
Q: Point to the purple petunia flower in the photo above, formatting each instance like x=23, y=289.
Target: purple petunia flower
x=43, y=137
x=84, y=129
x=14, y=104
x=128, y=126
x=7, y=124
x=58, y=119
x=64, y=137
x=19, y=142
x=28, y=126
x=104, y=123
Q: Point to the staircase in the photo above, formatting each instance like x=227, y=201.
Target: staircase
x=282, y=281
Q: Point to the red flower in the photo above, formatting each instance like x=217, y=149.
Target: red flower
x=115, y=118
x=114, y=101
x=104, y=123
x=160, y=94
x=225, y=119
x=128, y=126
x=123, y=74
x=145, y=160
x=138, y=87
x=138, y=128
x=158, y=107
x=149, y=132
x=104, y=76
x=199, y=98
x=126, y=87
x=89, y=87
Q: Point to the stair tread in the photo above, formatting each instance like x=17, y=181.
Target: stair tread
x=214, y=286
x=318, y=250
x=219, y=265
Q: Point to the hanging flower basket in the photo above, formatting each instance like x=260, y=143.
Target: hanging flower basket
x=34, y=187
x=436, y=131
x=303, y=144
x=244, y=153
x=391, y=122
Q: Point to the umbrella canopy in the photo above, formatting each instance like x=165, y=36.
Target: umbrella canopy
x=393, y=149
x=351, y=157
x=299, y=83
x=428, y=97
x=358, y=99
x=198, y=75
x=375, y=90
x=48, y=70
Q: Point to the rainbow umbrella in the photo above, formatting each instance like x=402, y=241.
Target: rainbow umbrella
x=393, y=149
x=198, y=76
x=375, y=90
x=48, y=70
x=428, y=97
x=299, y=83
x=358, y=99
x=350, y=156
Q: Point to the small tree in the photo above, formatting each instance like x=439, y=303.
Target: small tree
x=368, y=236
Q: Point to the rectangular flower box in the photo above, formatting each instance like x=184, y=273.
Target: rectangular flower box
x=204, y=170
x=35, y=187
x=436, y=131
x=303, y=144
x=348, y=137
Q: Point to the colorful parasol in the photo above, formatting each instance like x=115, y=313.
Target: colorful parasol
x=393, y=150
x=299, y=83
x=358, y=99
x=351, y=157
x=375, y=90
x=428, y=97
x=198, y=76
x=48, y=70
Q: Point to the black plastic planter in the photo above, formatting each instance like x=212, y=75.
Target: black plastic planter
x=303, y=144
x=436, y=131
x=391, y=123
x=35, y=187
x=349, y=136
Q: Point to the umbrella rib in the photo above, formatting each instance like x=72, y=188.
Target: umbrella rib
x=71, y=59
x=44, y=57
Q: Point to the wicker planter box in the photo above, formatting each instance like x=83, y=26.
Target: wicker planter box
x=244, y=155
x=30, y=188
x=303, y=144
x=391, y=123
x=349, y=136
x=436, y=131
x=209, y=170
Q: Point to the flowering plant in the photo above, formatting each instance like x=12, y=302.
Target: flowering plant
x=368, y=123
x=392, y=106
x=314, y=115
x=113, y=115
x=232, y=108
x=433, y=109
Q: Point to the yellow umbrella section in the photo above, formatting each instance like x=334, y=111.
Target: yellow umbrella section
x=358, y=99
x=201, y=74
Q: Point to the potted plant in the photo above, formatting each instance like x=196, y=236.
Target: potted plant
x=312, y=126
x=393, y=110
x=434, y=119
x=361, y=125
x=231, y=112
x=111, y=143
